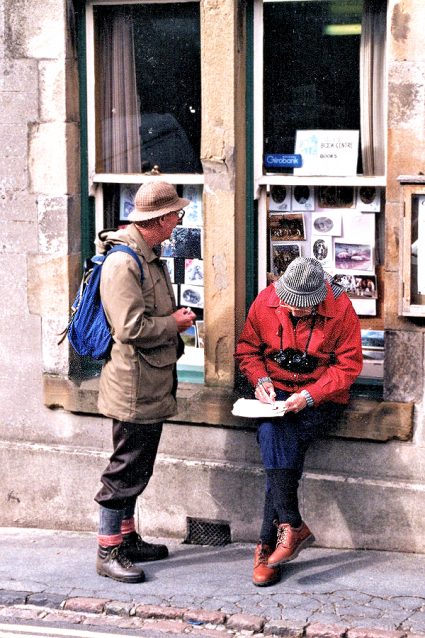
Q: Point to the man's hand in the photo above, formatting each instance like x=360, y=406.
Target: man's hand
x=184, y=318
x=295, y=403
x=265, y=393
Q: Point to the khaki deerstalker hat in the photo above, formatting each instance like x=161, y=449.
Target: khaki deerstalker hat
x=154, y=199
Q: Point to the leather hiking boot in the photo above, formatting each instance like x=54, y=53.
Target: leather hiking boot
x=113, y=563
x=290, y=541
x=139, y=551
x=264, y=575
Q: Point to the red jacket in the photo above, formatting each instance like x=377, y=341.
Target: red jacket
x=336, y=330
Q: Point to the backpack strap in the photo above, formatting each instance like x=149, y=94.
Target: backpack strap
x=126, y=249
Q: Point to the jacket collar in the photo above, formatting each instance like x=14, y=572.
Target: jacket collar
x=137, y=238
x=327, y=308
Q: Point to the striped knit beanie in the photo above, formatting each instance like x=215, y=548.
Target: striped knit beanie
x=302, y=284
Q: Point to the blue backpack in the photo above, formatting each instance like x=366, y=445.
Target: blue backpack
x=88, y=330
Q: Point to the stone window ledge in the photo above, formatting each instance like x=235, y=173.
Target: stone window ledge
x=201, y=405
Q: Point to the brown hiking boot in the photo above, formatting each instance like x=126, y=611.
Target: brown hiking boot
x=139, y=551
x=113, y=563
x=264, y=575
x=290, y=541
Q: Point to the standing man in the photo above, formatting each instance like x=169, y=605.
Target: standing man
x=301, y=344
x=138, y=381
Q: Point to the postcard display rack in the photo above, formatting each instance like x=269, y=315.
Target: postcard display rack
x=336, y=225
x=182, y=256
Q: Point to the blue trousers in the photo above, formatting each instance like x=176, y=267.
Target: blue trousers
x=284, y=441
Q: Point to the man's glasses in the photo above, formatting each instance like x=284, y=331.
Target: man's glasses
x=180, y=213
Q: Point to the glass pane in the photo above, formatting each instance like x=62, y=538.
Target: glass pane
x=417, y=277
x=148, y=102
x=311, y=69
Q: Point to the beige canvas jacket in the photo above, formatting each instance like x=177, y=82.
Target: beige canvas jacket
x=137, y=382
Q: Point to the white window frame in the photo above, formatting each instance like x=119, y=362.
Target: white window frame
x=193, y=360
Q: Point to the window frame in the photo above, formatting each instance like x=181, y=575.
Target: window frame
x=96, y=180
x=263, y=181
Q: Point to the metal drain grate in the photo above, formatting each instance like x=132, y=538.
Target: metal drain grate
x=206, y=532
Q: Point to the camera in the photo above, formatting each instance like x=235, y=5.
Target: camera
x=295, y=360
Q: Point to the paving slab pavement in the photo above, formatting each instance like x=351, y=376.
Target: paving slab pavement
x=348, y=590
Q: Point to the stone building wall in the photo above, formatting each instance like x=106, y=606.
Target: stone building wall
x=51, y=458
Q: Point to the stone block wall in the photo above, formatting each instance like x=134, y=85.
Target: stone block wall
x=51, y=459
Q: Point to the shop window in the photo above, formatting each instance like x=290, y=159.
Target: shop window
x=147, y=60
x=320, y=85
x=324, y=69
x=144, y=120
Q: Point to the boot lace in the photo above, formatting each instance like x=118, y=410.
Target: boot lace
x=282, y=535
x=263, y=556
x=121, y=558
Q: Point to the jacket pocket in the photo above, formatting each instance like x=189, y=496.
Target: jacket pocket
x=155, y=386
x=160, y=357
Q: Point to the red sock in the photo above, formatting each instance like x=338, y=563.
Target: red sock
x=128, y=526
x=109, y=541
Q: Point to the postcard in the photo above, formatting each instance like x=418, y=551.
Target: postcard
x=127, y=194
x=353, y=256
x=169, y=262
x=184, y=242
x=287, y=227
x=373, y=338
x=358, y=286
x=326, y=223
x=302, y=198
x=346, y=281
x=369, y=199
x=281, y=256
x=321, y=249
x=189, y=336
x=200, y=334
x=194, y=272
x=176, y=293
x=280, y=198
x=193, y=212
x=191, y=295
x=365, y=286
x=335, y=197
x=358, y=226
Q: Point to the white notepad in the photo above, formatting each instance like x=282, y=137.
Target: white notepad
x=253, y=409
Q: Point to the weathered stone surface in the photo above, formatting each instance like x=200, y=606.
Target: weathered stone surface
x=284, y=628
x=59, y=225
x=406, y=19
x=242, y=622
x=404, y=365
x=58, y=144
x=204, y=616
x=157, y=611
x=88, y=605
x=47, y=274
x=338, y=503
x=33, y=30
x=405, y=95
x=321, y=630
